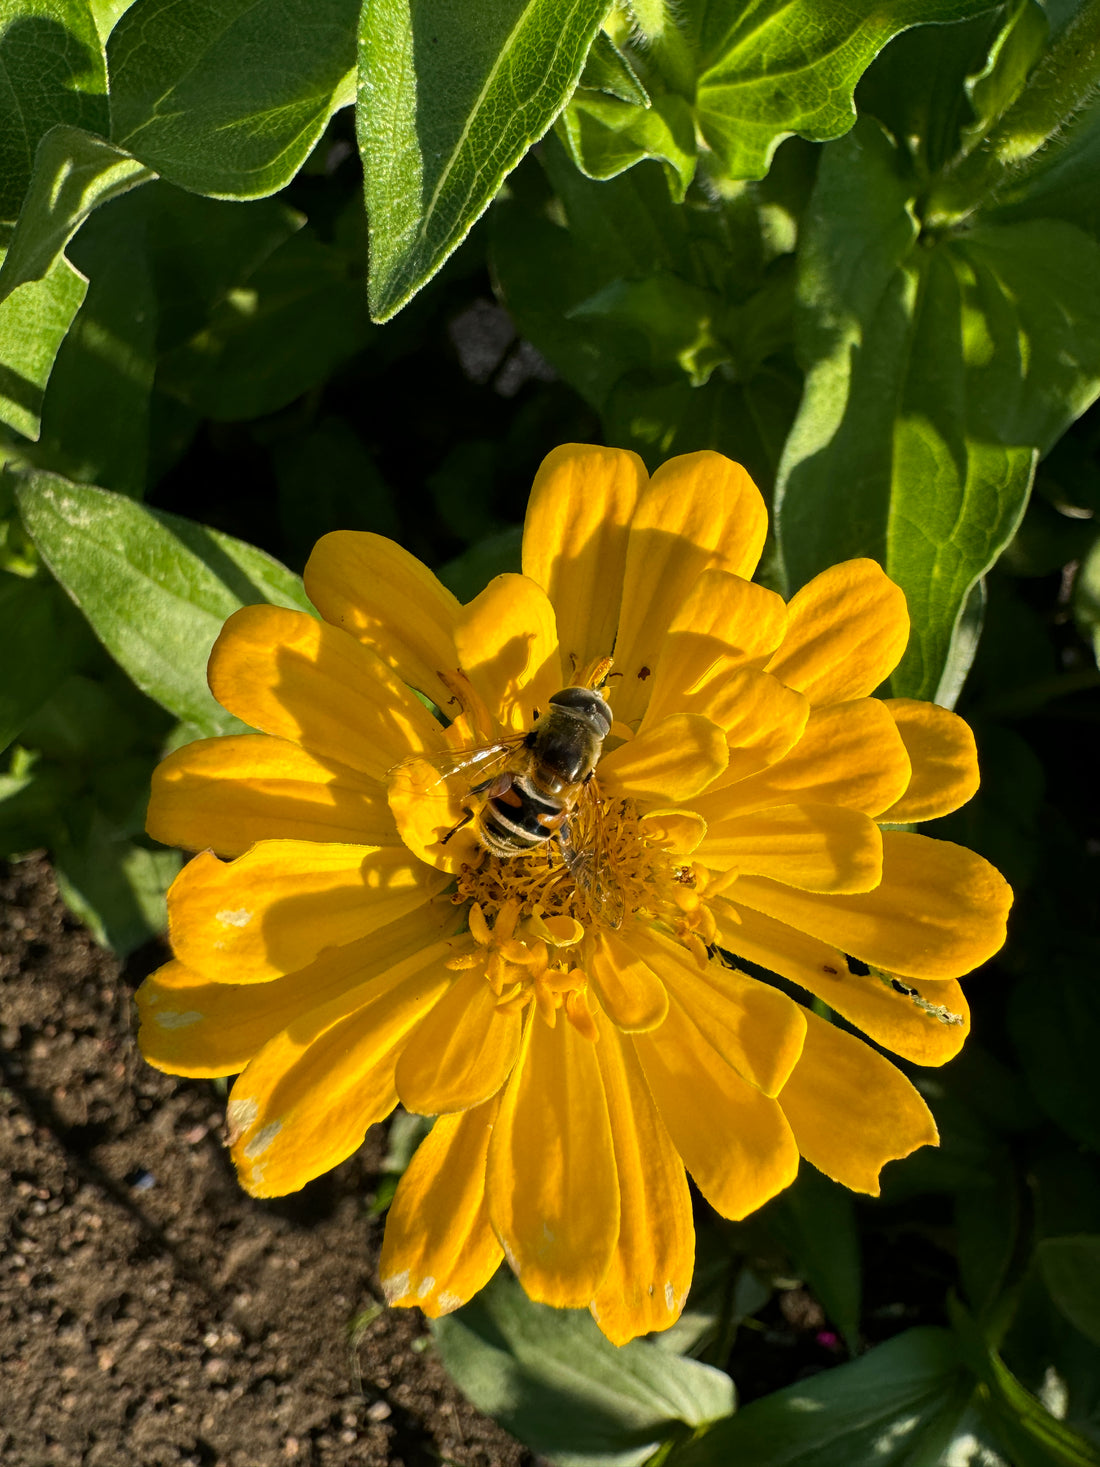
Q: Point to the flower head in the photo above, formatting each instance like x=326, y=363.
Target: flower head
x=426, y=902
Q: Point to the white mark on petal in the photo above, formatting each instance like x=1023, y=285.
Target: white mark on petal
x=174, y=1019
x=240, y=1114
x=448, y=1303
x=670, y=1297
x=240, y=917
x=262, y=1139
x=425, y=1286
x=396, y=1286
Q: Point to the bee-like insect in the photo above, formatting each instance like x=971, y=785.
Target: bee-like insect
x=539, y=787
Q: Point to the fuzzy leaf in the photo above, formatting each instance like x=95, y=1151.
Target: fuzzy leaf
x=447, y=108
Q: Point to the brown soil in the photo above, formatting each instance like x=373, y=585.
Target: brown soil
x=150, y=1312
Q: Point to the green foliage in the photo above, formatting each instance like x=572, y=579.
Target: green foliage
x=856, y=248
x=51, y=57
x=155, y=589
x=229, y=99
x=448, y=108
x=554, y=1380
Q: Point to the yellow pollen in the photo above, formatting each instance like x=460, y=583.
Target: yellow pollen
x=529, y=913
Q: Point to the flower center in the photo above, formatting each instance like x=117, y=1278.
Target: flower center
x=605, y=871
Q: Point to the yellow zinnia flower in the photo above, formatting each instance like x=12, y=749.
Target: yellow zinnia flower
x=568, y=1013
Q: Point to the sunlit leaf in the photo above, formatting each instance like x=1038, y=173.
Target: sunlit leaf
x=51, y=62
x=554, y=1381
x=74, y=172
x=779, y=67
x=155, y=588
x=935, y=374
x=229, y=99
x=33, y=321
x=446, y=110
x=607, y=135
x=896, y=1405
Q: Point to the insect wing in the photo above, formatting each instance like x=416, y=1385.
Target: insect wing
x=479, y=763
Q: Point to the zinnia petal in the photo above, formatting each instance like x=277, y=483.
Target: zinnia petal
x=226, y=794
x=698, y=511
x=851, y=1110
x=286, y=673
x=671, y=761
x=507, y=643
x=749, y=620
x=304, y=1103
x=649, y=1275
x=938, y=912
x=734, y=1140
x=574, y=541
x=819, y=848
x=927, y=1033
x=847, y=631
x=761, y=717
x=439, y=1248
x=358, y=581
x=944, y=758
x=193, y=1026
x=462, y=1053
x=632, y=995
x=754, y=1027
x=553, y=1187
x=850, y=754
x=274, y=909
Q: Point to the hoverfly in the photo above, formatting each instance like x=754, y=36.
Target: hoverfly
x=536, y=788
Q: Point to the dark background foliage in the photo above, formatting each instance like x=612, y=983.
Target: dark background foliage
x=645, y=279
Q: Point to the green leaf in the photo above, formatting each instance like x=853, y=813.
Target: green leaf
x=116, y=886
x=606, y=136
x=987, y=1222
x=74, y=172
x=31, y=796
x=679, y=322
x=155, y=588
x=107, y=13
x=815, y=1222
x=896, y=1406
x=779, y=67
x=1086, y=599
x=95, y=414
x=1071, y=1271
x=42, y=640
x=747, y=421
x=608, y=70
x=51, y=60
x=1054, y=1019
x=935, y=373
x=1017, y=47
x=446, y=110
x=34, y=320
x=551, y=1379
x=275, y=335
x=1029, y=1433
x=229, y=99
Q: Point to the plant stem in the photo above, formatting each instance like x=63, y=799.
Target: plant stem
x=1055, y=91
x=666, y=44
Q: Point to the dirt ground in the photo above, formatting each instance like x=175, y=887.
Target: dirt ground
x=150, y=1312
